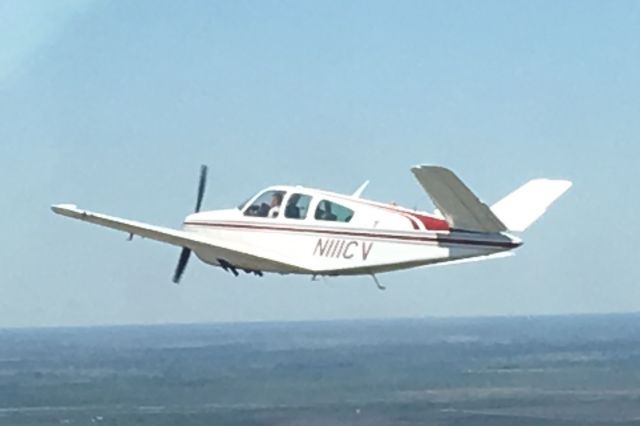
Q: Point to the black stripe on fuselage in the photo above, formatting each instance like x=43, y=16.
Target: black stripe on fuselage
x=362, y=234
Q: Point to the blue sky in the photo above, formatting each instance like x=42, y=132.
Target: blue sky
x=114, y=105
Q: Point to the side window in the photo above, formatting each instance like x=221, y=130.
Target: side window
x=266, y=205
x=297, y=206
x=328, y=210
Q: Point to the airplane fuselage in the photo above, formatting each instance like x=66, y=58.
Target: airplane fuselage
x=377, y=238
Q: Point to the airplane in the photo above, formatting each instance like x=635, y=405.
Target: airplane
x=289, y=229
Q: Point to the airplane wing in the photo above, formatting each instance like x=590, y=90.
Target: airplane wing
x=158, y=233
x=194, y=241
x=460, y=207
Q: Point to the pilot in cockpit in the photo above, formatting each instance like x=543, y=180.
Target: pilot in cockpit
x=276, y=201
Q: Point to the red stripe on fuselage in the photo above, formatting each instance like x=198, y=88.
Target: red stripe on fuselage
x=431, y=223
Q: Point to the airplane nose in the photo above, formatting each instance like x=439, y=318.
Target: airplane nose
x=193, y=217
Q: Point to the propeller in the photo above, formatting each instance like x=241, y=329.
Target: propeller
x=186, y=252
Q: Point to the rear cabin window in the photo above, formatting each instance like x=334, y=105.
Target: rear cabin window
x=331, y=211
x=266, y=205
x=297, y=206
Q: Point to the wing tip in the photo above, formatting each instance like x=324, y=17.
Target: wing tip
x=566, y=182
x=433, y=168
x=64, y=209
x=426, y=166
x=560, y=185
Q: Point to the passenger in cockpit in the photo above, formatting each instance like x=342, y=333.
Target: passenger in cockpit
x=292, y=211
x=276, y=201
x=324, y=211
x=328, y=214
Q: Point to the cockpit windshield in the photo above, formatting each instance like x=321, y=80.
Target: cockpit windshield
x=244, y=203
x=266, y=205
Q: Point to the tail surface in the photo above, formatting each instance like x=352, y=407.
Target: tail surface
x=528, y=203
x=463, y=210
x=459, y=206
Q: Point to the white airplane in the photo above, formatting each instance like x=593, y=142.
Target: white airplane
x=297, y=230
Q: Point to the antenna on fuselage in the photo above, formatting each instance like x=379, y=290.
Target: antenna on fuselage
x=360, y=189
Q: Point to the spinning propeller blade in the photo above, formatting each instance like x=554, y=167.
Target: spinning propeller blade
x=184, y=255
x=182, y=263
x=201, y=186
